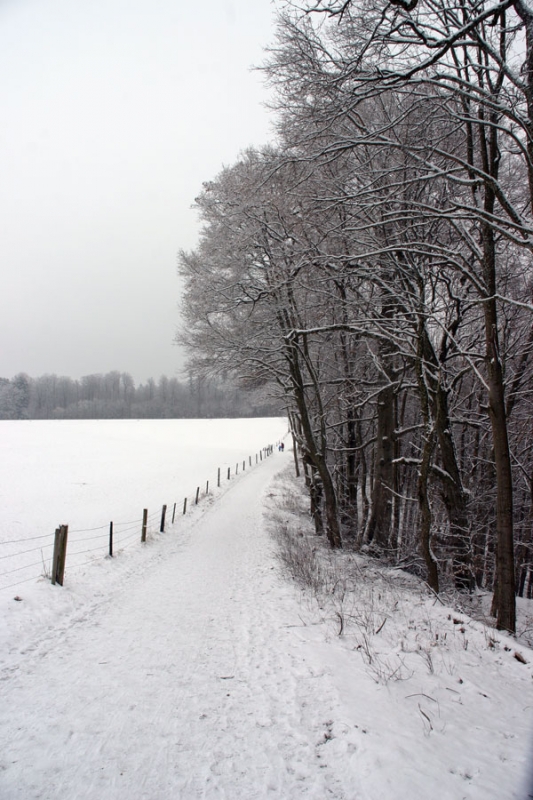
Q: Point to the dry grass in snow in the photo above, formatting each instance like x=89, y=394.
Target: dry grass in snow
x=445, y=696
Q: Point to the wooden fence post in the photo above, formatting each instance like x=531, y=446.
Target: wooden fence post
x=145, y=523
x=111, y=539
x=243, y=466
x=173, y=513
x=197, y=495
x=229, y=473
x=60, y=555
x=236, y=469
x=163, y=515
x=218, y=478
x=207, y=488
x=250, y=460
x=55, y=557
x=63, y=554
x=185, y=506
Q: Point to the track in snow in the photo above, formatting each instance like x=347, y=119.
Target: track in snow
x=193, y=683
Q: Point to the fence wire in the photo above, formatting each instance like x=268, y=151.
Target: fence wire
x=101, y=550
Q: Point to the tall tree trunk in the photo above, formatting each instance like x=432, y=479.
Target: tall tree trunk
x=504, y=602
x=315, y=454
x=425, y=510
x=379, y=525
x=424, y=378
x=292, y=425
x=453, y=494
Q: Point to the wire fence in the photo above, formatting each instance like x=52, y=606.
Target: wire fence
x=22, y=562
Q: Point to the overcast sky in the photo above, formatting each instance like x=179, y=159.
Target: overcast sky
x=113, y=113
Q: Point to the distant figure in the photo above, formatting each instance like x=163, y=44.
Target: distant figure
x=282, y=446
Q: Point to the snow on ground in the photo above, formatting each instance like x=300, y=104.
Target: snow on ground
x=445, y=702
x=193, y=668
x=87, y=473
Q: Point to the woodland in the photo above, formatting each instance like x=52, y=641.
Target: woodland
x=114, y=395
x=372, y=268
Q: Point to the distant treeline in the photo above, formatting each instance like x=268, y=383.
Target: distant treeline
x=115, y=396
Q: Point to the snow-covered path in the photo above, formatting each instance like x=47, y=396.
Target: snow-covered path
x=191, y=668
x=188, y=682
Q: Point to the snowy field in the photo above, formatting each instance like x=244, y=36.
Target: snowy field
x=87, y=473
x=192, y=667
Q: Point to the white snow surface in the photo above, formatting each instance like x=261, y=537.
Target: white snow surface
x=192, y=667
x=87, y=473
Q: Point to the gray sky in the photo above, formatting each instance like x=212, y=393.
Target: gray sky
x=113, y=113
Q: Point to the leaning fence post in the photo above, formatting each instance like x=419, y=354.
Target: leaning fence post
x=111, y=539
x=197, y=495
x=173, y=513
x=145, y=523
x=185, y=506
x=163, y=515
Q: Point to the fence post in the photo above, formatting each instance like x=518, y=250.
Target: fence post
x=197, y=495
x=250, y=460
x=229, y=473
x=55, y=557
x=256, y=459
x=218, y=478
x=163, y=515
x=207, y=488
x=63, y=555
x=243, y=466
x=60, y=555
x=260, y=456
x=111, y=539
x=185, y=506
x=236, y=469
x=145, y=523
x=173, y=513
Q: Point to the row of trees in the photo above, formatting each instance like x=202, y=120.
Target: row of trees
x=115, y=396
x=376, y=267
